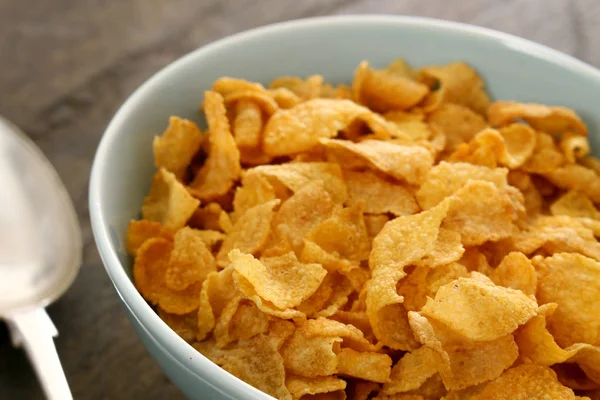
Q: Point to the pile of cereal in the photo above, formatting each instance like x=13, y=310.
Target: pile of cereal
x=402, y=238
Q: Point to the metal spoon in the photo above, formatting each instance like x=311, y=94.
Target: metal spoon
x=40, y=252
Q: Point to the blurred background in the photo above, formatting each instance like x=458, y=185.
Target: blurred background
x=67, y=65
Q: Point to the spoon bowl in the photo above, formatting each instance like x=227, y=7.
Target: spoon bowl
x=40, y=251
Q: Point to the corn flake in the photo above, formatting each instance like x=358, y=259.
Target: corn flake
x=553, y=120
x=248, y=124
x=210, y=237
x=536, y=344
x=576, y=319
x=384, y=90
x=592, y=163
x=211, y=217
x=446, y=178
x=463, y=363
x=352, y=336
x=344, y=233
x=373, y=367
x=554, y=235
x=149, y=271
x=302, y=212
x=263, y=100
x=140, y=231
x=459, y=123
x=408, y=163
x=222, y=167
x=285, y=98
x=546, y=157
x=572, y=376
x=361, y=390
x=185, y=326
x=576, y=177
x=527, y=381
x=519, y=141
x=411, y=371
x=256, y=361
x=478, y=310
x=375, y=223
x=250, y=232
x=299, y=128
x=302, y=388
x=360, y=74
x=177, y=146
x=512, y=146
x=481, y=212
x=168, y=202
x=255, y=190
x=227, y=86
x=317, y=301
x=191, y=260
x=400, y=397
x=424, y=282
x=484, y=149
x=310, y=356
x=459, y=83
x=296, y=175
x=472, y=363
x=380, y=195
x=516, y=272
x=239, y=320
x=338, y=299
x=575, y=204
x=574, y=146
x=313, y=253
x=283, y=280
x=216, y=293
x=432, y=388
x=249, y=292
x=342, y=91
x=305, y=89
x=412, y=124
x=393, y=249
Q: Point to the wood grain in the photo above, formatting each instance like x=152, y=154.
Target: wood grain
x=66, y=65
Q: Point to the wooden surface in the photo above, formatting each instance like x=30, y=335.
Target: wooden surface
x=66, y=65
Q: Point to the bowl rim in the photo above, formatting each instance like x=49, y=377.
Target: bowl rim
x=124, y=286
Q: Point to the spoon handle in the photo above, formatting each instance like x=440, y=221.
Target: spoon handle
x=35, y=331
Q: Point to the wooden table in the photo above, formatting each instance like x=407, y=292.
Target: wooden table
x=66, y=65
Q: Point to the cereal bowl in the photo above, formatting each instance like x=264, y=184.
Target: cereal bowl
x=512, y=68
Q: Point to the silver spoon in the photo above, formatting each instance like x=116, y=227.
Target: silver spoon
x=40, y=252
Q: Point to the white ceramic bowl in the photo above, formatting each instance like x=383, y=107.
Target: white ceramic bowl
x=513, y=68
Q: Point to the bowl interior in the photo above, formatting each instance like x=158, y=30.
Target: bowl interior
x=513, y=69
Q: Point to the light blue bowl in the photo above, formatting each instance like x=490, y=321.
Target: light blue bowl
x=513, y=69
